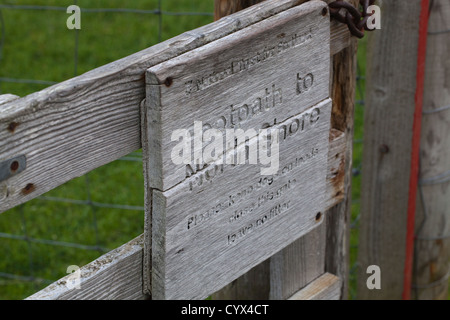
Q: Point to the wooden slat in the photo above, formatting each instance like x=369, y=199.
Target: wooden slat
x=116, y=275
x=255, y=69
x=338, y=218
x=305, y=255
x=326, y=287
x=337, y=256
x=298, y=264
x=389, y=115
x=304, y=260
x=133, y=67
x=177, y=266
x=336, y=252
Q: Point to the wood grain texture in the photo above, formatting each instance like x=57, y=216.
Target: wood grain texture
x=239, y=218
x=326, y=287
x=115, y=276
x=432, y=244
x=4, y=98
x=342, y=119
x=390, y=97
x=298, y=264
x=253, y=285
x=262, y=74
x=336, y=255
x=304, y=260
x=126, y=261
x=340, y=36
x=338, y=229
x=83, y=123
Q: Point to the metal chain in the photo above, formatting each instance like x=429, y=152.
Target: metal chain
x=355, y=18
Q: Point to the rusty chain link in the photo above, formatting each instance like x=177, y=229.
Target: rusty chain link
x=355, y=18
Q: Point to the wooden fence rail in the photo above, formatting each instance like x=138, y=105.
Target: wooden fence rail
x=76, y=126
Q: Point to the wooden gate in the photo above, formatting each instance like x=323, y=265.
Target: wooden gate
x=279, y=66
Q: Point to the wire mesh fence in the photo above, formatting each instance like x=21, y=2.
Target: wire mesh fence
x=91, y=215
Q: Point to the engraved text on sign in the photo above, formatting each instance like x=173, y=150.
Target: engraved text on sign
x=213, y=217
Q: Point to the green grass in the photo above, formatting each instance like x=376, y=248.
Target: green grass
x=39, y=46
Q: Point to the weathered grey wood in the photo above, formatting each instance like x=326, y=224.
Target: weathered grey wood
x=343, y=83
x=390, y=100
x=336, y=255
x=326, y=287
x=333, y=46
x=78, y=125
x=115, y=276
x=130, y=257
x=240, y=81
x=4, y=98
x=340, y=37
x=306, y=257
x=202, y=227
x=304, y=260
x=432, y=242
x=297, y=265
x=339, y=163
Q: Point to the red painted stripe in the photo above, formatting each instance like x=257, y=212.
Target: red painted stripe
x=414, y=178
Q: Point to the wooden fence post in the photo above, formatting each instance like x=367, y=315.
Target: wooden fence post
x=388, y=132
x=325, y=249
x=432, y=245
x=337, y=253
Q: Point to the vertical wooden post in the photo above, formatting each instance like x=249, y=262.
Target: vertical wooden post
x=432, y=245
x=327, y=247
x=337, y=254
x=388, y=131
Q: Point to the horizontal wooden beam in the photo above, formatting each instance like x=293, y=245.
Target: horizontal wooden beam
x=116, y=275
x=326, y=287
x=74, y=127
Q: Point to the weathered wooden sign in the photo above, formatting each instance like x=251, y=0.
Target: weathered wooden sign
x=236, y=142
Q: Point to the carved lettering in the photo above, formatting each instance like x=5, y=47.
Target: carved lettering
x=248, y=63
x=273, y=213
x=304, y=83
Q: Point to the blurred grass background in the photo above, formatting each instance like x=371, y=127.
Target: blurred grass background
x=81, y=220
